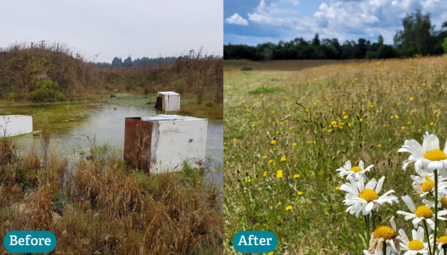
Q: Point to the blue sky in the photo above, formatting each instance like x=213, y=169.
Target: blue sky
x=252, y=22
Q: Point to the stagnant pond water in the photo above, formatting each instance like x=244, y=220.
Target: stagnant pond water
x=72, y=123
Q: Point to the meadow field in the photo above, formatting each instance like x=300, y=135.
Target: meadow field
x=286, y=132
x=276, y=65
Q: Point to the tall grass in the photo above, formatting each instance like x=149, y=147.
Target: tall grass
x=323, y=117
x=100, y=206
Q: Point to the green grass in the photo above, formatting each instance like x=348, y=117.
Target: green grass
x=102, y=149
x=265, y=90
x=237, y=62
x=324, y=117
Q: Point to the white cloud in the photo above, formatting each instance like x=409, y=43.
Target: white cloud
x=267, y=14
x=346, y=19
x=237, y=20
x=354, y=19
x=323, y=7
x=438, y=11
x=262, y=19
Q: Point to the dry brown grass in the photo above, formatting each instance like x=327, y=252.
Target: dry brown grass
x=101, y=207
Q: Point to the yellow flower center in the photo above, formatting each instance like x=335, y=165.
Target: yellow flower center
x=416, y=245
x=427, y=186
x=356, y=169
x=424, y=212
x=369, y=195
x=444, y=202
x=385, y=233
x=435, y=155
x=428, y=176
x=442, y=239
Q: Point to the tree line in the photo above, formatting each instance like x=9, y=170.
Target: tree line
x=144, y=61
x=418, y=37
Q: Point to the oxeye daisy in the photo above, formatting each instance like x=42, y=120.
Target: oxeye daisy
x=426, y=184
x=429, y=155
x=442, y=245
x=420, y=214
x=384, y=235
x=364, y=198
x=442, y=202
x=415, y=246
x=348, y=170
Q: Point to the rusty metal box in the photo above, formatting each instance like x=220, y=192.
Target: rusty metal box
x=164, y=142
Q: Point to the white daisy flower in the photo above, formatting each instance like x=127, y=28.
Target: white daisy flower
x=421, y=213
x=428, y=155
x=426, y=184
x=415, y=246
x=348, y=170
x=442, y=243
x=384, y=236
x=361, y=198
x=442, y=201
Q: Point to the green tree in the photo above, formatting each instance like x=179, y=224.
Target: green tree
x=417, y=36
x=380, y=40
x=127, y=61
x=444, y=45
x=265, y=51
x=117, y=62
x=316, y=40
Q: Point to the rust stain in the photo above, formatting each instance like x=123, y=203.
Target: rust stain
x=137, y=143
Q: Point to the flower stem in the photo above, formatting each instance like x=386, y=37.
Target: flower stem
x=384, y=248
x=373, y=220
x=366, y=217
x=436, y=209
x=428, y=237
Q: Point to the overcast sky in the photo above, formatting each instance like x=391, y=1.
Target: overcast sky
x=115, y=27
x=258, y=21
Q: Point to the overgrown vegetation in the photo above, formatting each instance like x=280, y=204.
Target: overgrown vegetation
x=97, y=205
x=45, y=72
x=282, y=148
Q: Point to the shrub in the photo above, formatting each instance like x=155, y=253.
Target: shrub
x=146, y=89
x=11, y=97
x=179, y=86
x=46, y=91
x=200, y=98
x=61, y=97
x=108, y=87
x=127, y=87
x=208, y=103
x=246, y=69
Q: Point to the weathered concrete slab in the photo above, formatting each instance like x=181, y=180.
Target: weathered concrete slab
x=12, y=125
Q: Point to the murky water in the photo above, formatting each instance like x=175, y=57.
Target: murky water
x=74, y=124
